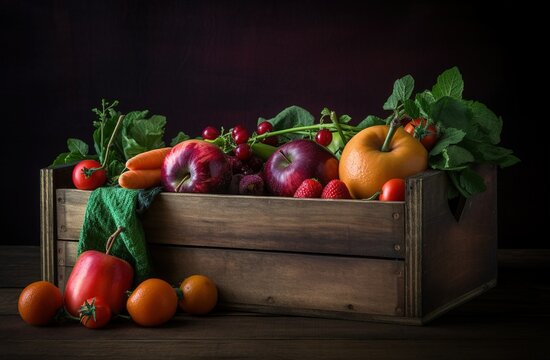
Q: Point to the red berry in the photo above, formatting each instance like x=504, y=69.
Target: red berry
x=243, y=151
x=241, y=136
x=263, y=127
x=309, y=188
x=210, y=133
x=336, y=189
x=323, y=137
x=236, y=129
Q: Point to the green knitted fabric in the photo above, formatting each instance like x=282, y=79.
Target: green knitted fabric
x=108, y=209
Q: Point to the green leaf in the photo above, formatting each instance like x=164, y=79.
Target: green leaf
x=77, y=146
x=411, y=108
x=181, y=136
x=369, y=121
x=402, y=90
x=447, y=136
x=344, y=119
x=106, y=128
x=325, y=112
x=423, y=101
x=489, y=153
x=467, y=182
x=486, y=121
x=114, y=169
x=449, y=83
x=140, y=134
x=451, y=113
x=452, y=157
x=290, y=117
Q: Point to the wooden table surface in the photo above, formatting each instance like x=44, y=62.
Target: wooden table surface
x=511, y=321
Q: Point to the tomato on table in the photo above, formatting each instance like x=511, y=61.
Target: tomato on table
x=393, y=190
x=95, y=313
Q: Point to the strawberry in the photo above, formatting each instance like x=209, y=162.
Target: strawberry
x=309, y=188
x=336, y=189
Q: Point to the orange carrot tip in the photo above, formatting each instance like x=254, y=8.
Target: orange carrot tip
x=139, y=179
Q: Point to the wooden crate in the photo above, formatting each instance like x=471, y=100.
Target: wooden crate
x=404, y=262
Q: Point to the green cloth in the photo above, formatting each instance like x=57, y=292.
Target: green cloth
x=108, y=209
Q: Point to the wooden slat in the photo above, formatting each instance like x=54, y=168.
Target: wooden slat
x=458, y=257
x=50, y=180
x=344, y=227
x=296, y=283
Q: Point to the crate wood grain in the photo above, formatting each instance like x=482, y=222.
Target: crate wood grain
x=405, y=262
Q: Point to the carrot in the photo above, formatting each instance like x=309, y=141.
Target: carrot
x=151, y=159
x=139, y=179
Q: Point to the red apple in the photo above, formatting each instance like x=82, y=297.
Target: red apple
x=296, y=161
x=196, y=166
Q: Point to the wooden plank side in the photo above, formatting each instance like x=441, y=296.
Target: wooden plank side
x=458, y=257
x=50, y=180
x=345, y=227
x=267, y=281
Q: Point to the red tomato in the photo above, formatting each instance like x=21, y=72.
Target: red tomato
x=393, y=190
x=425, y=133
x=95, y=313
x=96, y=274
x=83, y=179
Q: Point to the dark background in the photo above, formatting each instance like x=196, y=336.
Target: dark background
x=226, y=62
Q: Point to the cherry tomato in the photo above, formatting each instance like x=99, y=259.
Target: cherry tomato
x=323, y=137
x=263, y=127
x=95, y=313
x=210, y=133
x=393, y=190
x=84, y=179
x=425, y=133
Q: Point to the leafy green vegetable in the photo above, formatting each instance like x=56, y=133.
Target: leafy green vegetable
x=468, y=131
x=181, y=136
x=293, y=116
x=402, y=91
x=449, y=83
x=137, y=134
x=371, y=120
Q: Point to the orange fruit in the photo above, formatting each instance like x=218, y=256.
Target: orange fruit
x=39, y=302
x=200, y=295
x=152, y=303
x=364, y=168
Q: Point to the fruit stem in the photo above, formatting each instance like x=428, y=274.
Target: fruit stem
x=302, y=128
x=185, y=178
x=111, y=240
x=89, y=172
x=373, y=196
x=334, y=119
x=285, y=157
x=395, y=123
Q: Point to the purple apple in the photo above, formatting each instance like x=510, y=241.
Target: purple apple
x=196, y=166
x=296, y=161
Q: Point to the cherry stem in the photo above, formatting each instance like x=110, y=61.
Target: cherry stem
x=89, y=172
x=395, y=123
x=112, y=239
x=334, y=119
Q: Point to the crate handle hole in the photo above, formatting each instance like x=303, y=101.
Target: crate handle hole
x=457, y=205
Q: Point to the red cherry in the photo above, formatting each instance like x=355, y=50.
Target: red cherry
x=263, y=127
x=210, y=133
x=243, y=151
x=323, y=137
x=236, y=129
x=241, y=136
